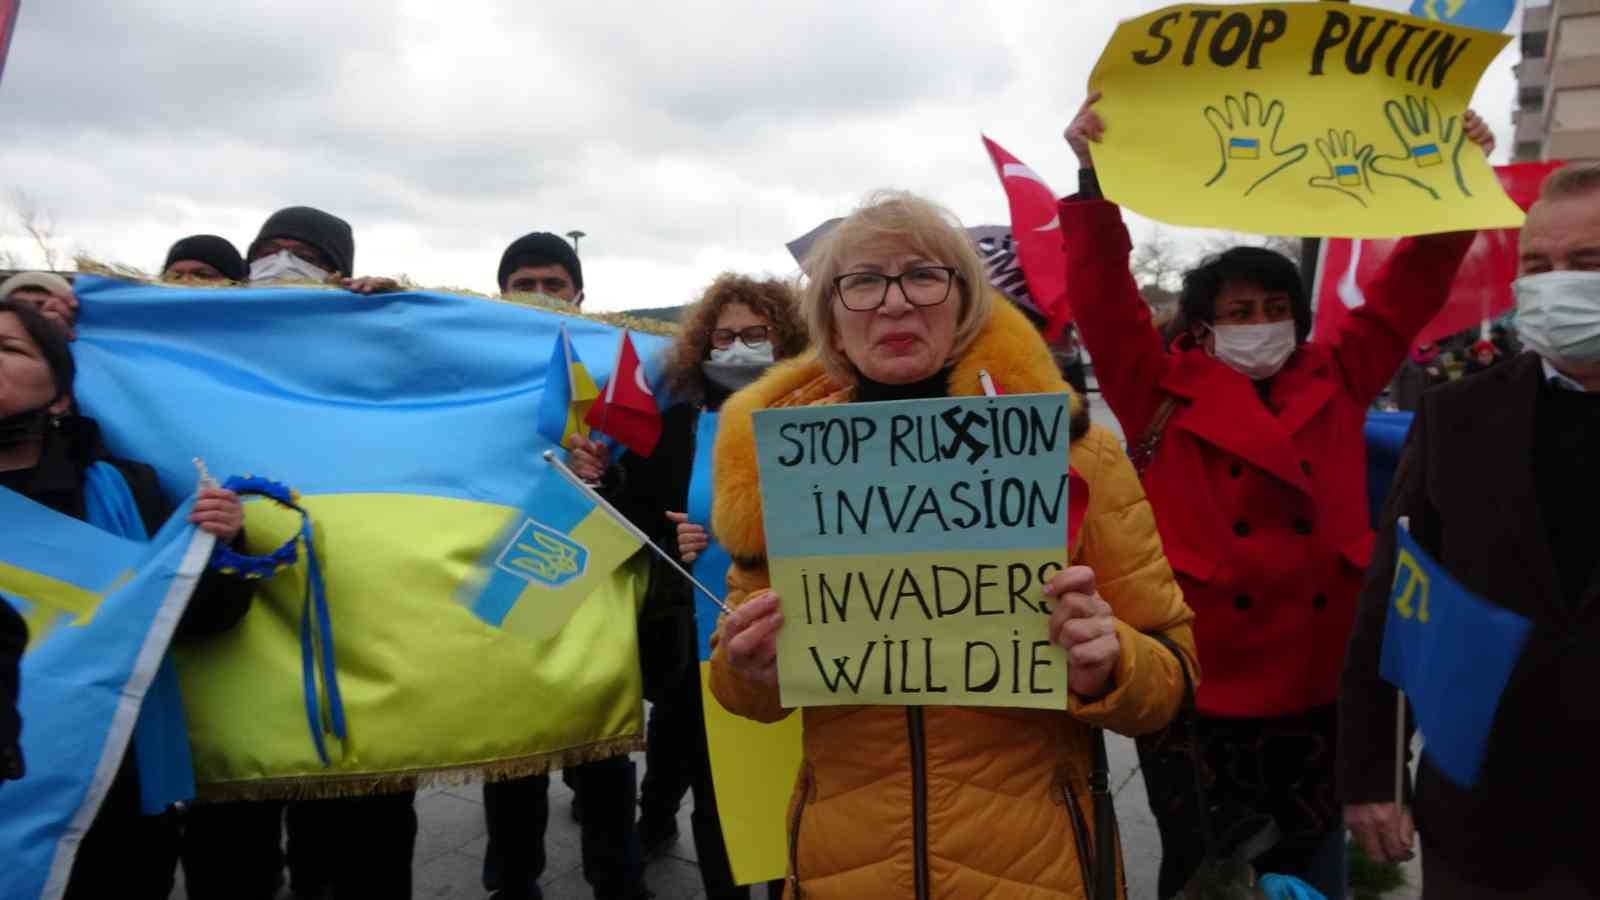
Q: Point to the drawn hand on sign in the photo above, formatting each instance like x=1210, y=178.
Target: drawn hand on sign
x=1348, y=162
x=1247, y=140
x=1432, y=146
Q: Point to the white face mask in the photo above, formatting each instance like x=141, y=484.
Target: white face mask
x=1558, y=317
x=1254, y=351
x=741, y=354
x=284, y=266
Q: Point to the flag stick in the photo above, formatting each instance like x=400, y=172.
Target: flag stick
x=611, y=385
x=551, y=458
x=1400, y=750
x=1403, y=523
x=203, y=474
x=986, y=383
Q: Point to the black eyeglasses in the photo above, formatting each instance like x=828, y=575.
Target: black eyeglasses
x=921, y=285
x=722, y=338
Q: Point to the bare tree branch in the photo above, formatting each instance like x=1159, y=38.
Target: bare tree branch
x=37, y=224
x=1158, y=262
x=1288, y=246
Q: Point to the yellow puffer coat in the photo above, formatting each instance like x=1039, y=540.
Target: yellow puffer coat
x=959, y=802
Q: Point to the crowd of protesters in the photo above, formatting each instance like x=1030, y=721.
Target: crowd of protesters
x=1223, y=600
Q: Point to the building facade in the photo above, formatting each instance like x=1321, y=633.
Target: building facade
x=1558, y=82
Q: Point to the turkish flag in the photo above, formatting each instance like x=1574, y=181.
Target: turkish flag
x=1482, y=289
x=1036, y=229
x=8, y=23
x=626, y=410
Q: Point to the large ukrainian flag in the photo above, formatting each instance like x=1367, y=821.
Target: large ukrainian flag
x=408, y=424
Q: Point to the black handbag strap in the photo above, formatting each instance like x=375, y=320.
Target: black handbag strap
x=1105, y=812
x=1187, y=716
x=1105, y=821
x=1144, y=450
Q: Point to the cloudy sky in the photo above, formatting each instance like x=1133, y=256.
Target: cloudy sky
x=684, y=138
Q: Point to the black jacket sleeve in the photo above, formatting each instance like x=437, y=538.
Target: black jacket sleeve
x=13, y=640
x=645, y=489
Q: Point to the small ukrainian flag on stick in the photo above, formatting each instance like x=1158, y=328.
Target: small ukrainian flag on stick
x=569, y=391
x=563, y=542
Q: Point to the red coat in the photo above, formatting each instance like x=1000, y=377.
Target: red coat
x=1264, y=517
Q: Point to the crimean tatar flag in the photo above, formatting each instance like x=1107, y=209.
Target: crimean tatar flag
x=569, y=391
x=1452, y=652
x=101, y=611
x=627, y=410
x=1490, y=15
x=555, y=552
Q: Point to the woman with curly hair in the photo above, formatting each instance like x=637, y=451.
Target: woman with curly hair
x=737, y=329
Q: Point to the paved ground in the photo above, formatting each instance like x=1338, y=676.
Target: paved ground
x=451, y=838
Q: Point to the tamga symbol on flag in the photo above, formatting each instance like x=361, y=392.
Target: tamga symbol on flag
x=1452, y=653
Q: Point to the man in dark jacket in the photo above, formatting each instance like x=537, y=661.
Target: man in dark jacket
x=517, y=811
x=1521, y=440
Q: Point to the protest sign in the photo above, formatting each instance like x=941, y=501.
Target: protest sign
x=1313, y=119
x=910, y=543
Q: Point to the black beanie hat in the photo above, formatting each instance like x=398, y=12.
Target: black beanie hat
x=541, y=248
x=216, y=252
x=328, y=233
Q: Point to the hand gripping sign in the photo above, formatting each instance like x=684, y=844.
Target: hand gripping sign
x=910, y=543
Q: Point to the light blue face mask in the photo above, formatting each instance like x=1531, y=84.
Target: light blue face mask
x=738, y=365
x=739, y=353
x=1558, y=317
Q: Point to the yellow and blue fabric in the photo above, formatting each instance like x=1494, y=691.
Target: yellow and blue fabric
x=559, y=547
x=318, y=667
x=568, y=393
x=1452, y=653
x=101, y=611
x=408, y=424
x=753, y=765
x=1489, y=15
